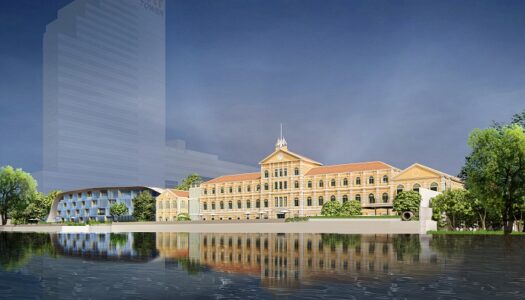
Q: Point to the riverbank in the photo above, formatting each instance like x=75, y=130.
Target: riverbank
x=478, y=232
x=343, y=226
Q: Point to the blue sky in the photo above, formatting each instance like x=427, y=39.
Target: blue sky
x=397, y=81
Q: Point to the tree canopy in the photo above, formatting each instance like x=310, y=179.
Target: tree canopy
x=144, y=207
x=16, y=190
x=351, y=208
x=331, y=209
x=495, y=169
x=37, y=208
x=189, y=181
x=118, y=209
x=457, y=206
x=407, y=201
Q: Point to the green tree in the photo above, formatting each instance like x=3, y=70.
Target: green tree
x=407, y=201
x=37, y=207
x=496, y=169
x=189, y=181
x=457, y=205
x=144, y=207
x=519, y=119
x=351, y=208
x=16, y=189
x=118, y=209
x=183, y=217
x=331, y=209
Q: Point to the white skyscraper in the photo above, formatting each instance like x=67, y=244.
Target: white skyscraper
x=105, y=97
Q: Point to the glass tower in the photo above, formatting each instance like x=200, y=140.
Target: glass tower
x=104, y=97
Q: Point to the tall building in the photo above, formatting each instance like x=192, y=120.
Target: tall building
x=289, y=185
x=104, y=91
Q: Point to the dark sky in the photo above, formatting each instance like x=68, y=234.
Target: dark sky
x=397, y=81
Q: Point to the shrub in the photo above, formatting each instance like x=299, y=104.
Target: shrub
x=118, y=209
x=183, y=217
x=297, y=219
x=351, y=208
x=331, y=209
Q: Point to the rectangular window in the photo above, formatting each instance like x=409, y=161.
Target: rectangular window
x=296, y=201
x=286, y=185
x=101, y=211
x=276, y=201
x=280, y=185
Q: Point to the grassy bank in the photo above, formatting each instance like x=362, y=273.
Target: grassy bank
x=479, y=232
x=356, y=217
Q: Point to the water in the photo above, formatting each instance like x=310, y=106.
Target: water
x=260, y=266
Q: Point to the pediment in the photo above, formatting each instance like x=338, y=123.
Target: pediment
x=280, y=156
x=417, y=171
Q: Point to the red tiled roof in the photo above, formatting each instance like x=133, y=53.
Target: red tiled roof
x=354, y=167
x=180, y=193
x=236, y=177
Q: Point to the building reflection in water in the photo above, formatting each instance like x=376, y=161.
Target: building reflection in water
x=111, y=246
x=285, y=260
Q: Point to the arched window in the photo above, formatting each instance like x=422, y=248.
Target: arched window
x=258, y=187
x=345, y=198
x=222, y=190
x=296, y=201
x=332, y=198
x=205, y=206
x=358, y=197
x=321, y=183
x=213, y=191
x=296, y=171
x=239, y=204
x=266, y=186
x=258, y=203
x=230, y=205
x=309, y=201
x=345, y=181
x=249, y=188
x=296, y=184
x=400, y=188
x=248, y=204
x=332, y=182
x=321, y=201
x=309, y=184
x=239, y=189
x=416, y=187
x=221, y=205
x=371, y=198
x=266, y=174
x=434, y=186
x=371, y=180
x=230, y=189
x=213, y=205
x=265, y=202
x=205, y=191
x=358, y=180
x=385, y=179
x=385, y=198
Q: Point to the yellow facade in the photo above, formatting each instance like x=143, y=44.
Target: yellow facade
x=170, y=204
x=289, y=184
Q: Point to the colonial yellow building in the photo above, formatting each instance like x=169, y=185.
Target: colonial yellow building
x=289, y=184
x=170, y=204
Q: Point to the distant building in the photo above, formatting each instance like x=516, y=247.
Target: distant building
x=94, y=204
x=104, y=101
x=170, y=204
x=289, y=184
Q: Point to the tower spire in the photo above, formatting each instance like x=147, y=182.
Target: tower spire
x=281, y=141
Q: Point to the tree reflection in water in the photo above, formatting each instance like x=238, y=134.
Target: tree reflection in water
x=17, y=248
